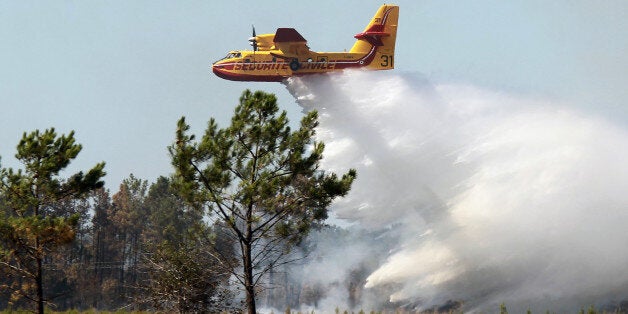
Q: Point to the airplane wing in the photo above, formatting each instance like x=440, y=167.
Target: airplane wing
x=290, y=43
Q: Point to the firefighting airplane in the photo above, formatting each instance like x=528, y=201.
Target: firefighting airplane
x=278, y=56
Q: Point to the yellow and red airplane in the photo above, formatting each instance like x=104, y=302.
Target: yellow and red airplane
x=278, y=56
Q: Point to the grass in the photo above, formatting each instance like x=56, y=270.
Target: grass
x=92, y=311
x=502, y=310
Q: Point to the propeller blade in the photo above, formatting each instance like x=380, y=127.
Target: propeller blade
x=254, y=40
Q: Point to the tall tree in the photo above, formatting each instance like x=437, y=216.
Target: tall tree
x=34, y=227
x=103, y=250
x=170, y=218
x=129, y=215
x=261, y=179
x=175, y=256
x=180, y=279
x=67, y=268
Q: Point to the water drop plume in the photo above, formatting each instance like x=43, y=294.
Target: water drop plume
x=496, y=197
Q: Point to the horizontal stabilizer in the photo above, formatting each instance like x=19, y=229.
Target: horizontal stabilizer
x=373, y=35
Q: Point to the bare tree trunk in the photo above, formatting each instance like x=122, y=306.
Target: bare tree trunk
x=39, y=273
x=249, y=283
x=270, y=298
x=248, y=279
x=40, y=286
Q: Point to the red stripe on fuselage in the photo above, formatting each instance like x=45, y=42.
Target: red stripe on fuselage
x=246, y=77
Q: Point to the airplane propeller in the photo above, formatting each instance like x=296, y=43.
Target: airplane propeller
x=253, y=39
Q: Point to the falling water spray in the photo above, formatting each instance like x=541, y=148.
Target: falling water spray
x=495, y=197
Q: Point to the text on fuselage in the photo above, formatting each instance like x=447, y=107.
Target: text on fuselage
x=265, y=66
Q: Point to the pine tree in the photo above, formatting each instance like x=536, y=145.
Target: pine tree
x=261, y=179
x=179, y=246
x=129, y=216
x=33, y=225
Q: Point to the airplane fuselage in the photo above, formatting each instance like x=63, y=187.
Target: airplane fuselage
x=264, y=66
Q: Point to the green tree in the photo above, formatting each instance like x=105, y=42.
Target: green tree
x=503, y=309
x=68, y=266
x=180, y=279
x=261, y=179
x=33, y=225
x=169, y=216
x=179, y=246
x=129, y=216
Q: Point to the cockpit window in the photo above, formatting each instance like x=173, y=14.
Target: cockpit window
x=230, y=55
x=233, y=55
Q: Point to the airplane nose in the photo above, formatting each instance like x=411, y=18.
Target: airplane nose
x=216, y=67
x=220, y=71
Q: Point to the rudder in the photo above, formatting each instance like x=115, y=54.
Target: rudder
x=380, y=33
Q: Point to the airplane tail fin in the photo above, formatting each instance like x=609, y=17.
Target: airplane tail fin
x=380, y=33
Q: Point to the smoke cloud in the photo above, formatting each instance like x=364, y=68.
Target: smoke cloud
x=493, y=197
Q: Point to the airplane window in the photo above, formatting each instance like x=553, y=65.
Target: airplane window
x=232, y=55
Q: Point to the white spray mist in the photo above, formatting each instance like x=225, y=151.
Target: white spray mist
x=497, y=198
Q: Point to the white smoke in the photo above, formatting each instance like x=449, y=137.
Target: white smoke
x=497, y=197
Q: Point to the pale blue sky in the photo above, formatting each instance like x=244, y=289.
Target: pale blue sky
x=120, y=73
